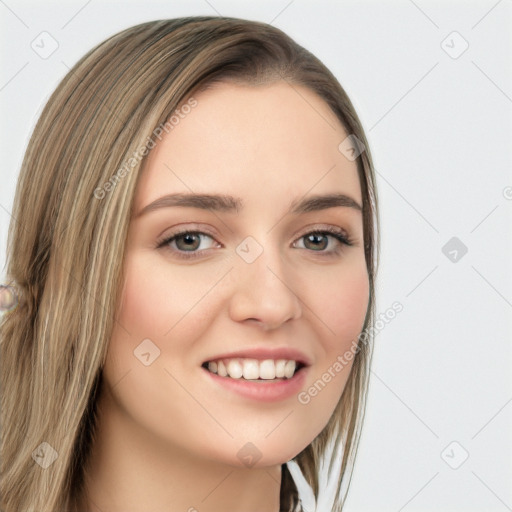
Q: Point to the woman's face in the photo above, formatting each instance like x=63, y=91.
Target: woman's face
x=252, y=282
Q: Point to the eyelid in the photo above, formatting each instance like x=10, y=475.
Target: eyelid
x=328, y=228
x=188, y=228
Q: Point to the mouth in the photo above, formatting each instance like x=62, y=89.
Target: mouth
x=255, y=370
x=261, y=380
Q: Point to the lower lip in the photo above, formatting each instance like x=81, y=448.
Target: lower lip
x=265, y=391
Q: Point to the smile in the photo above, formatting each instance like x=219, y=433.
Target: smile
x=259, y=389
x=254, y=369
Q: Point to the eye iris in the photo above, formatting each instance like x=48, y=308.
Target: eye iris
x=315, y=239
x=189, y=237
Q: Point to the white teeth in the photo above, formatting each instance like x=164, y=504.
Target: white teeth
x=268, y=369
x=280, y=365
x=289, y=369
x=234, y=369
x=221, y=369
x=253, y=369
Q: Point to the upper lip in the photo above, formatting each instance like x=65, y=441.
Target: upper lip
x=262, y=353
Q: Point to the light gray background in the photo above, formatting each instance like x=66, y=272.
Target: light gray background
x=439, y=127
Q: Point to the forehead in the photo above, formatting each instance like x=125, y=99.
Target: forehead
x=258, y=142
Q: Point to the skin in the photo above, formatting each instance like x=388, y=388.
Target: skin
x=168, y=438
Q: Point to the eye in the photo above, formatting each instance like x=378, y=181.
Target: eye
x=185, y=244
x=318, y=240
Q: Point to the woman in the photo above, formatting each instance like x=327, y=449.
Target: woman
x=194, y=254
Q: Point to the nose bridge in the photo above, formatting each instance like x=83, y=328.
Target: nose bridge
x=262, y=287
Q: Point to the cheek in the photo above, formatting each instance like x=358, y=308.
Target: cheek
x=158, y=298
x=340, y=301
x=348, y=306
x=164, y=304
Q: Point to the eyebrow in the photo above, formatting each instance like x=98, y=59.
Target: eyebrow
x=230, y=204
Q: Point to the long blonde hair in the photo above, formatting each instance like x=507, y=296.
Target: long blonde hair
x=66, y=241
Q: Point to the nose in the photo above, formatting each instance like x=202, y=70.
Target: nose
x=263, y=293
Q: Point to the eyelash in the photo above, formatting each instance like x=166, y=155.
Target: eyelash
x=336, y=233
